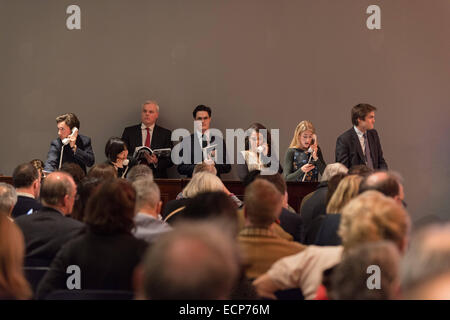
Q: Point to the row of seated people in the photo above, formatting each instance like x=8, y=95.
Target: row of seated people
x=211, y=249
x=144, y=142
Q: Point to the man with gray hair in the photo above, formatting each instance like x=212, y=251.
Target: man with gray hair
x=425, y=269
x=149, y=225
x=387, y=182
x=48, y=229
x=198, y=261
x=8, y=198
x=148, y=134
x=140, y=171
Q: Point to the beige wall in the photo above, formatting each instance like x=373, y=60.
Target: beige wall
x=275, y=62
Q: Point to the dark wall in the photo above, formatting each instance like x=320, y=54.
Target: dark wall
x=275, y=62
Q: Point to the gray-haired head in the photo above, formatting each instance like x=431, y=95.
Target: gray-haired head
x=8, y=198
x=147, y=193
x=426, y=263
x=140, y=171
x=333, y=169
x=151, y=102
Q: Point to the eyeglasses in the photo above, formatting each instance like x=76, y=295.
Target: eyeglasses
x=405, y=205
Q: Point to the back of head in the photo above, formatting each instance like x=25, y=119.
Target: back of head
x=347, y=189
x=202, y=182
x=110, y=209
x=276, y=179
x=24, y=175
x=349, y=280
x=332, y=169
x=13, y=284
x=140, y=171
x=425, y=269
x=102, y=171
x=84, y=192
x=360, y=170
x=198, y=262
x=147, y=193
x=384, y=182
x=55, y=187
x=8, y=198
x=214, y=206
x=333, y=183
x=203, y=167
x=371, y=217
x=263, y=203
x=74, y=170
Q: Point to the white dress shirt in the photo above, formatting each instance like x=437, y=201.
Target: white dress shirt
x=361, y=139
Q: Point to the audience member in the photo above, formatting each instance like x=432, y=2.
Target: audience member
x=48, y=229
x=304, y=159
x=140, y=171
x=149, y=134
x=148, y=207
x=78, y=148
x=317, y=203
x=201, y=139
x=360, y=170
x=8, y=199
x=369, y=217
x=86, y=189
x=102, y=171
x=27, y=181
x=75, y=171
x=197, y=262
x=425, y=269
x=260, y=247
x=386, y=182
x=107, y=252
x=39, y=165
x=350, y=278
x=13, y=284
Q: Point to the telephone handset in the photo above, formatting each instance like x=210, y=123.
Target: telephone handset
x=66, y=141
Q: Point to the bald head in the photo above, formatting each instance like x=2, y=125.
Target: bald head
x=194, y=262
x=58, y=191
x=385, y=182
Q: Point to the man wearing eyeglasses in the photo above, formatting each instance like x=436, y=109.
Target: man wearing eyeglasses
x=212, y=147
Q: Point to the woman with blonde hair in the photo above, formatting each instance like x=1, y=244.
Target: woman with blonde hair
x=304, y=159
x=201, y=182
x=347, y=189
x=13, y=284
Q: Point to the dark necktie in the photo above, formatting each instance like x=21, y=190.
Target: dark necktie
x=204, y=142
x=369, y=161
x=147, y=140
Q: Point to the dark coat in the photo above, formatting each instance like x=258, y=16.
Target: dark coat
x=106, y=262
x=349, y=151
x=83, y=156
x=315, y=206
x=328, y=232
x=292, y=223
x=161, y=138
x=45, y=232
x=24, y=205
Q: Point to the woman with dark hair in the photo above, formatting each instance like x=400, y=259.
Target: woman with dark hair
x=257, y=153
x=107, y=252
x=116, y=152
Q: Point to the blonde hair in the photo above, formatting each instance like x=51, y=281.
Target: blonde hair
x=202, y=182
x=301, y=127
x=13, y=284
x=372, y=217
x=347, y=189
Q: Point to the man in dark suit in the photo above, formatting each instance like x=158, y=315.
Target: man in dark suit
x=361, y=144
x=200, y=139
x=151, y=135
x=77, y=148
x=48, y=229
x=27, y=181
